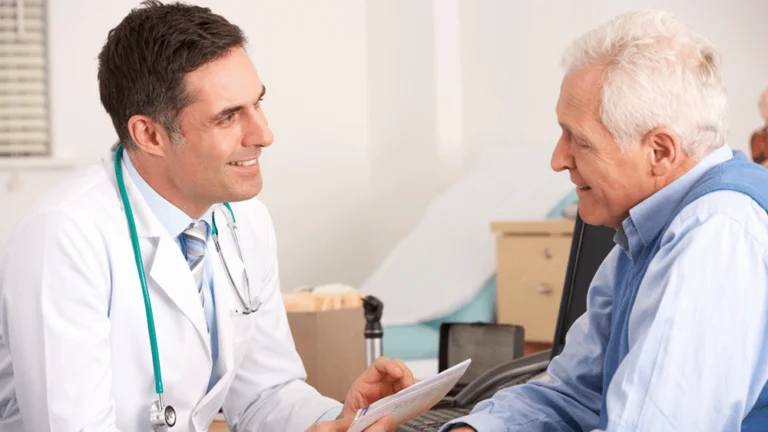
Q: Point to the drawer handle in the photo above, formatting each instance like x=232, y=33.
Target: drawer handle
x=544, y=289
x=547, y=253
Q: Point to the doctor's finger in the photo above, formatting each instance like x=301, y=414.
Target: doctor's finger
x=407, y=379
x=385, y=368
x=382, y=425
x=331, y=426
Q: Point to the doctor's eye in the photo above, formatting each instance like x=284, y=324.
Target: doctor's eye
x=228, y=119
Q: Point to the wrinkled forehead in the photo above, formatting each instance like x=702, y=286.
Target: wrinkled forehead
x=579, y=100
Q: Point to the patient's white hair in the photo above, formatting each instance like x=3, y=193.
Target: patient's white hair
x=658, y=72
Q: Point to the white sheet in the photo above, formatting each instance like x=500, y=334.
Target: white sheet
x=451, y=253
x=410, y=403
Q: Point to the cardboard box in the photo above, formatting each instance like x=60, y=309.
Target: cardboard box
x=331, y=344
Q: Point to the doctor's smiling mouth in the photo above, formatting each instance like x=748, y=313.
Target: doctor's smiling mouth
x=247, y=165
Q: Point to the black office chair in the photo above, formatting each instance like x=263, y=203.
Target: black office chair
x=589, y=247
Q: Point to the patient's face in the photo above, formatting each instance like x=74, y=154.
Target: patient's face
x=608, y=181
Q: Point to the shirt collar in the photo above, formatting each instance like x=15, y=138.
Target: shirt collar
x=647, y=218
x=171, y=217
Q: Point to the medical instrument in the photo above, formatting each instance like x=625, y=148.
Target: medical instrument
x=160, y=414
x=248, y=306
x=374, y=333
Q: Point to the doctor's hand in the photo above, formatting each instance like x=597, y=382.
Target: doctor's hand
x=383, y=378
x=383, y=424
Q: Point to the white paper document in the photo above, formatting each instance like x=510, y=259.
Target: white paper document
x=409, y=403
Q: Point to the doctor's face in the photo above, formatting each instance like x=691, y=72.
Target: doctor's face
x=609, y=181
x=223, y=132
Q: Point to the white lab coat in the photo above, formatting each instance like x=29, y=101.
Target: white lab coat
x=75, y=352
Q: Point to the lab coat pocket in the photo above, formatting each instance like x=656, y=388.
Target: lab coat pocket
x=243, y=330
x=243, y=326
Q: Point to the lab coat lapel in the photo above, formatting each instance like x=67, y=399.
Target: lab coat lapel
x=227, y=303
x=226, y=317
x=166, y=266
x=171, y=272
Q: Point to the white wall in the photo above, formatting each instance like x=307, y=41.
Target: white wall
x=312, y=58
x=511, y=56
x=377, y=106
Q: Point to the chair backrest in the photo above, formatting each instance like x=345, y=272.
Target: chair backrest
x=488, y=344
x=589, y=247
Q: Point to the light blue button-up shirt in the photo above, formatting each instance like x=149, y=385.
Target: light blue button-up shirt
x=698, y=347
x=175, y=222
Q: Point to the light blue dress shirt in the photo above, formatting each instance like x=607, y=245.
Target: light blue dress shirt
x=175, y=222
x=698, y=345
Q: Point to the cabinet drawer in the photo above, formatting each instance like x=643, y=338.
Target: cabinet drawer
x=530, y=278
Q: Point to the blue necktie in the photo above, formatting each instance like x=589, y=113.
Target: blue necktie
x=194, y=237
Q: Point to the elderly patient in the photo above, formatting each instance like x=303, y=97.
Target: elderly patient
x=674, y=338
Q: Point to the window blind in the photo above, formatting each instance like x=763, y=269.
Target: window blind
x=24, y=129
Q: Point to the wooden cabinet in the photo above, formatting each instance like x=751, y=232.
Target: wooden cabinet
x=532, y=258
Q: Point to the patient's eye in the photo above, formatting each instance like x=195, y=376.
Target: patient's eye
x=582, y=143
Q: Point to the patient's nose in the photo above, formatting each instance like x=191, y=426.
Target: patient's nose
x=562, y=159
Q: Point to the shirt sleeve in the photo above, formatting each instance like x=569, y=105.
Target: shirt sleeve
x=570, y=400
x=54, y=318
x=331, y=414
x=698, y=359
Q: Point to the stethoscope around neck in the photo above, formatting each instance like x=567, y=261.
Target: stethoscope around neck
x=161, y=415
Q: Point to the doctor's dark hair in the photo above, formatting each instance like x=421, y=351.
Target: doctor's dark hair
x=143, y=63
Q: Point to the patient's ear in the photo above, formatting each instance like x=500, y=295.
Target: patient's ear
x=665, y=151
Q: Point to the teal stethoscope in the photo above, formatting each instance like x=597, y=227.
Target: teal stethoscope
x=159, y=413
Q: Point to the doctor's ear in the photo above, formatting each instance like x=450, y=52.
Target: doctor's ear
x=149, y=136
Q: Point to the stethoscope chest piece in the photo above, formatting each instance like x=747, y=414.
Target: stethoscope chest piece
x=160, y=415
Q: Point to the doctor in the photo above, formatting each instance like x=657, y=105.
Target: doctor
x=127, y=301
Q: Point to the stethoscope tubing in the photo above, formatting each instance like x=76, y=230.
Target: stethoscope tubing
x=142, y=275
x=165, y=414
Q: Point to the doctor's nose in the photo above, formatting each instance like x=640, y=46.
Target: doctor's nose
x=257, y=131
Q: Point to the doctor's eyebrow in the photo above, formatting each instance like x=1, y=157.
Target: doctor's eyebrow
x=233, y=109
